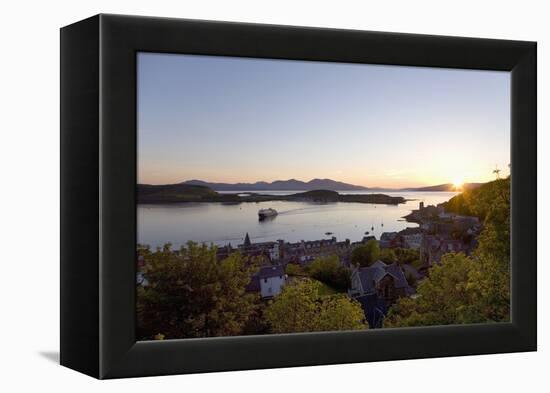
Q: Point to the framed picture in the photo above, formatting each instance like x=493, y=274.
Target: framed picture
x=241, y=196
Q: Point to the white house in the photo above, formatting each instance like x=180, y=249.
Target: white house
x=272, y=280
x=141, y=279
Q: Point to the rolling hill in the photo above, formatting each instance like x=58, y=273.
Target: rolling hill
x=170, y=192
x=316, y=184
x=280, y=185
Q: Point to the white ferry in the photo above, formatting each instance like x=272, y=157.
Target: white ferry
x=264, y=213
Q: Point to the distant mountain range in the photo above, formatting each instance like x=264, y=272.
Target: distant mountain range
x=280, y=185
x=316, y=184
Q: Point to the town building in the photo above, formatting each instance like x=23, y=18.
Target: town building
x=412, y=241
x=433, y=247
x=374, y=308
x=268, y=281
x=389, y=240
x=376, y=288
x=388, y=282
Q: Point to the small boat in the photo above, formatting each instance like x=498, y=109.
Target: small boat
x=372, y=228
x=328, y=233
x=367, y=232
x=265, y=213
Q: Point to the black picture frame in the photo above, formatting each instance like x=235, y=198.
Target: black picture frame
x=98, y=194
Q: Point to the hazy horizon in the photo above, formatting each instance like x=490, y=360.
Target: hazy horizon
x=305, y=181
x=243, y=120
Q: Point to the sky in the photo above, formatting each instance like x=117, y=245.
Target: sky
x=231, y=119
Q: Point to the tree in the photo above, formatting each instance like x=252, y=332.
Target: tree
x=191, y=294
x=330, y=271
x=440, y=296
x=366, y=254
x=399, y=255
x=467, y=289
x=294, y=309
x=488, y=290
x=299, y=308
x=388, y=255
x=491, y=203
x=461, y=290
x=494, y=195
x=339, y=312
x=406, y=255
x=294, y=270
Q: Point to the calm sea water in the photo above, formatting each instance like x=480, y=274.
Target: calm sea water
x=227, y=223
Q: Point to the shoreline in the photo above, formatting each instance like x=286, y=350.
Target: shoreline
x=325, y=197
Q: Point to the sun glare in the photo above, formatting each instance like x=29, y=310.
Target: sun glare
x=458, y=183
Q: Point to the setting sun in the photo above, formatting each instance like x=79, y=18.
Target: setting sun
x=458, y=183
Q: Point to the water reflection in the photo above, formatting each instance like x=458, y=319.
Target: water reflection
x=228, y=223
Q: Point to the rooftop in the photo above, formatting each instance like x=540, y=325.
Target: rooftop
x=271, y=271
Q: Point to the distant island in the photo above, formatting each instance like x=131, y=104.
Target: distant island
x=178, y=193
x=316, y=184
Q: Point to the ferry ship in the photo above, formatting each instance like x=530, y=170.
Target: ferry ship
x=265, y=213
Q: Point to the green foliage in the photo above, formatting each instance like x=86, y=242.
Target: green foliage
x=387, y=255
x=294, y=270
x=327, y=290
x=191, y=294
x=439, y=296
x=406, y=255
x=339, y=312
x=489, y=290
x=366, y=254
x=399, y=255
x=460, y=290
x=491, y=203
x=294, y=309
x=494, y=240
x=256, y=323
x=467, y=289
x=417, y=264
x=481, y=201
x=330, y=271
x=300, y=308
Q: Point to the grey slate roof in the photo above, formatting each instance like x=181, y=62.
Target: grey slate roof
x=369, y=276
x=271, y=271
x=379, y=263
x=388, y=236
x=395, y=271
x=254, y=284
